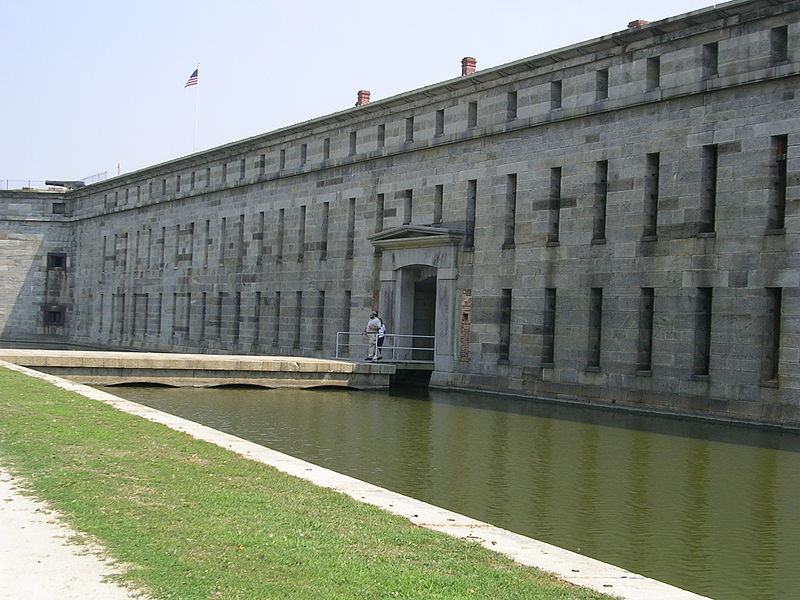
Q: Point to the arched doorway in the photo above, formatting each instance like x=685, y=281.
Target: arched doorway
x=419, y=272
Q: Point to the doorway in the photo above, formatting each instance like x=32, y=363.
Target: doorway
x=424, y=323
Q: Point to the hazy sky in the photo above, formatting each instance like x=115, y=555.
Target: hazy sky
x=89, y=85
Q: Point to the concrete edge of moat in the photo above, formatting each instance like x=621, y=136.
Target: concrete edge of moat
x=566, y=565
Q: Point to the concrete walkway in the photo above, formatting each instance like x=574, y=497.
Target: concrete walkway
x=568, y=566
x=37, y=559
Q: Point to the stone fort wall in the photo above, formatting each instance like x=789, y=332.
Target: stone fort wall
x=614, y=222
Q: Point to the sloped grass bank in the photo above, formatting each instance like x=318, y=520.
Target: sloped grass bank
x=194, y=521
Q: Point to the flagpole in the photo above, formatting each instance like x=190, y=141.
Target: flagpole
x=196, y=104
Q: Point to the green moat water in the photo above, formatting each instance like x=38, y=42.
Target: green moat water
x=707, y=507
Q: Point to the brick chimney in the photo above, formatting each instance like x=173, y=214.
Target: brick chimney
x=468, y=65
x=637, y=23
x=363, y=97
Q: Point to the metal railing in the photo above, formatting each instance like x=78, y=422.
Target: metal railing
x=395, y=348
x=40, y=184
x=22, y=184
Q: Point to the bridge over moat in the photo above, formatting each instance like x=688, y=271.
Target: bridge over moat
x=201, y=370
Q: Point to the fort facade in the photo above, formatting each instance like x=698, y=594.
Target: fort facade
x=615, y=222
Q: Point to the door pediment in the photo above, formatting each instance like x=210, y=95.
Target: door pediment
x=415, y=236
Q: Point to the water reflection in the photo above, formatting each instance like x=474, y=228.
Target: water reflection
x=707, y=507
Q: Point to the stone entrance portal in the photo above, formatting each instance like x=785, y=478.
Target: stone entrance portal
x=418, y=287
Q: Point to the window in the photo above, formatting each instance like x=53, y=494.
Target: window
x=601, y=82
x=348, y=296
x=708, y=188
x=644, y=359
x=223, y=230
x=778, y=176
x=203, y=312
x=260, y=237
x=240, y=244
x=303, y=153
x=276, y=320
x=279, y=240
x=511, y=106
x=600, y=199
x=702, y=333
x=301, y=235
x=410, y=129
x=324, y=235
x=555, y=95
x=554, y=210
x=469, y=235
x=298, y=318
x=351, y=227
x=208, y=176
x=381, y=136
x=178, y=183
x=439, y=122
x=408, y=206
x=282, y=159
x=511, y=211
x=326, y=148
x=191, y=181
x=54, y=316
x=257, y=319
x=653, y=73
x=353, y=142
x=438, y=200
x=779, y=44
x=242, y=167
x=56, y=261
x=549, y=327
x=320, y=326
x=379, y=205
x=504, y=341
x=59, y=208
x=651, y=179
x=262, y=164
x=711, y=59
x=472, y=115
x=237, y=317
x=224, y=172
x=595, y=328
x=772, y=335
x=206, y=246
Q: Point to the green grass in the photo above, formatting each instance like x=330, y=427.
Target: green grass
x=194, y=521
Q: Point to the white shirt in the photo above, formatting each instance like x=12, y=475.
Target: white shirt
x=373, y=325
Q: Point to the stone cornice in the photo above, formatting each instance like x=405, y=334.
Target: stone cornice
x=415, y=236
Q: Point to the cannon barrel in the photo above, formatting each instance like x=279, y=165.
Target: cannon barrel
x=72, y=185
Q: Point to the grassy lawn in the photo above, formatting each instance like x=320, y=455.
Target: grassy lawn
x=194, y=521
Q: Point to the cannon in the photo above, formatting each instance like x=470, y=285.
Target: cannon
x=72, y=185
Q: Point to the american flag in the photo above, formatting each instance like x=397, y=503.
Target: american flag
x=192, y=79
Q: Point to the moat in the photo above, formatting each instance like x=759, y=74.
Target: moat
x=704, y=506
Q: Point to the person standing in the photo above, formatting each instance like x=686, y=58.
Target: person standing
x=381, y=339
x=371, y=331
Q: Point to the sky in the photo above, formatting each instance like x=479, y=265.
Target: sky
x=88, y=87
